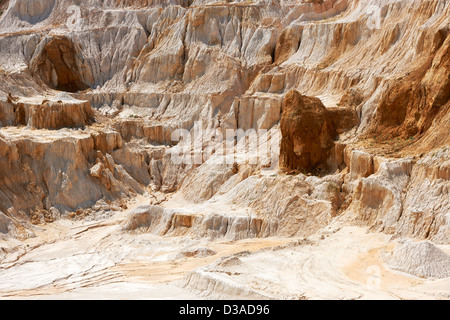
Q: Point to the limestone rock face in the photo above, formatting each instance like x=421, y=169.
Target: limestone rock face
x=9, y=227
x=143, y=218
x=307, y=133
x=54, y=171
x=41, y=113
x=397, y=115
x=171, y=222
x=55, y=63
x=265, y=149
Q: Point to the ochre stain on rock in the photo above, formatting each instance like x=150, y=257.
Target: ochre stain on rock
x=307, y=133
x=57, y=67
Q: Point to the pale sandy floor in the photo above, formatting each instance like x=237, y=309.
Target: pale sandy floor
x=95, y=260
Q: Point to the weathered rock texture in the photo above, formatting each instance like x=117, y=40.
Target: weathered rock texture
x=41, y=113
x=331, y=76
x=307, y=133
x=55, y=63
x=421, y=259
x=351, y=98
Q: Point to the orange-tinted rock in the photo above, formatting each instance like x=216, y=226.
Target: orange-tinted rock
x=57, y=67
x=307, y=133
x=287, y=43
x=343, y=118
x=412, y=103
x=52, y=114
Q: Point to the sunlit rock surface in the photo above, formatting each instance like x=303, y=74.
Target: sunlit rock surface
x=200, y=149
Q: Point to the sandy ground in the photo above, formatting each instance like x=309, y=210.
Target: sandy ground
x=96, y=260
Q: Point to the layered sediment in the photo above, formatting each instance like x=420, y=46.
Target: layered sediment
x=284, y=125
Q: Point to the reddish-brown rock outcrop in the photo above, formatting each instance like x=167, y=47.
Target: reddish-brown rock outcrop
x=56, y=65
x=307, y=133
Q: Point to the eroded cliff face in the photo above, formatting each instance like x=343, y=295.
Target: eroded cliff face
x=233, y=119
x=307, y=131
